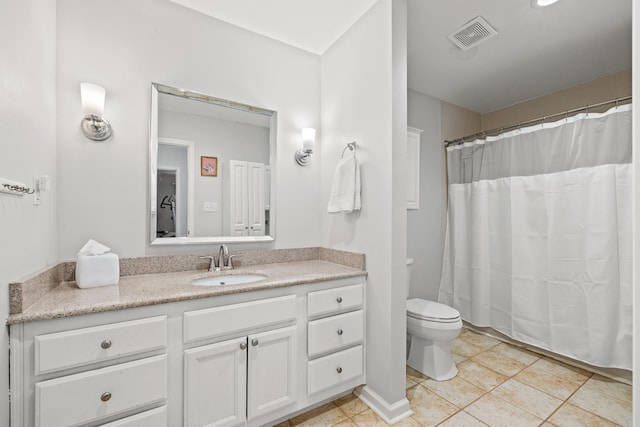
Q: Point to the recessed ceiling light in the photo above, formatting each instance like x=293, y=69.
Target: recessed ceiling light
x=542, y=3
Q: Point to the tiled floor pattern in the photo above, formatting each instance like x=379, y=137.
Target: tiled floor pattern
x=497, y=385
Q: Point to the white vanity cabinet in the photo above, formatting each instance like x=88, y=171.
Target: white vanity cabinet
x=240, y=379
x=84, y=376
x=335, y=338
x=244, y=359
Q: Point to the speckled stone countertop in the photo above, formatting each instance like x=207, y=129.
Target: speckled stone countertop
x=136, y=290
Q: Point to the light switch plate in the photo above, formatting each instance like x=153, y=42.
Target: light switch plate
x=210, y=207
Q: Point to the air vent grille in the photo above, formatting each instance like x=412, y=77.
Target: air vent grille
x=472, y=33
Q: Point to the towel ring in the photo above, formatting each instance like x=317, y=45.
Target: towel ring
x=351, y=146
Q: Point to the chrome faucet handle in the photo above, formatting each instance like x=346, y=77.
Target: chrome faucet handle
x=229, y=265
x=212, y=261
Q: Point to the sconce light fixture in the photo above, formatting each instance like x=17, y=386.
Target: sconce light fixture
x=308, y=139
x=94, y=126
x=542, y=3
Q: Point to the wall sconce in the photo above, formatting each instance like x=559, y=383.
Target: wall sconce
x=93, y=125
x=542, y=3
x=308, y=139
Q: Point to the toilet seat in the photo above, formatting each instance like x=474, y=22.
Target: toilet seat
x=422, y=309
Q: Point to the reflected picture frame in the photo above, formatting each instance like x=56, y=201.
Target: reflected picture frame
x=208, y=166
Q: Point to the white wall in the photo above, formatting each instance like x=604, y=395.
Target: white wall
x=425, y=225
x=360, y=103
x=27, y=150
x=135, y=43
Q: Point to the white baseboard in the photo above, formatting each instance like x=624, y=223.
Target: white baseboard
x=390, y=413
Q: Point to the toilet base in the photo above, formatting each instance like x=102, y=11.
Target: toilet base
x=432, y=358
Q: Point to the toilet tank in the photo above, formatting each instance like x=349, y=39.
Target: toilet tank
x=409, y=264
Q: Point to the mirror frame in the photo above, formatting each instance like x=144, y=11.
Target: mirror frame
x=156, y=89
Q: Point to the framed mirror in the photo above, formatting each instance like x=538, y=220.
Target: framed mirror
x=210, y=167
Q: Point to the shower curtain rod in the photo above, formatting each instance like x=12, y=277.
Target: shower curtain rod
x=533, y=121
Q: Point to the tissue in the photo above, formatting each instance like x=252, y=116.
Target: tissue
x=93, y=248
x=96, y=266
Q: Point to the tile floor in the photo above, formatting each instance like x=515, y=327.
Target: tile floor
x=497, y=385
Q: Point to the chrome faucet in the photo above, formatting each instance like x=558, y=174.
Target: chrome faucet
x=223, y=253
x=223, y=262
x=224, y=259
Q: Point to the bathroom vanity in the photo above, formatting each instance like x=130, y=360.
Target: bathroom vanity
x=156, y=350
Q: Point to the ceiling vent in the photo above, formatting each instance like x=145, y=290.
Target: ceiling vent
x=472, y=33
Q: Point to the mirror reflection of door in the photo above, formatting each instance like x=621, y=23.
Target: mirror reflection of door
x=167, y=211
x=172, y=191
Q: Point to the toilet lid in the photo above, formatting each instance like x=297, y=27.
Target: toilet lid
x=429, y=310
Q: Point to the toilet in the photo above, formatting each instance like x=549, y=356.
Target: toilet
x=431, y=327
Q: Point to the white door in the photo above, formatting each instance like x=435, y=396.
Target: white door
x=255, y=192
x=272, y=369
x=267, y=188
x=238, y=197
x=413, y=168
x=215, y=384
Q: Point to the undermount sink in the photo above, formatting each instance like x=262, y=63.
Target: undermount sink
x=232, y=279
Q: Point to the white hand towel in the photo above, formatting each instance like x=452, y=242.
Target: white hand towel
x=345, y=191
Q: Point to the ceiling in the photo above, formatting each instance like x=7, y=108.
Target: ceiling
x=311, y=25
x=537, y=50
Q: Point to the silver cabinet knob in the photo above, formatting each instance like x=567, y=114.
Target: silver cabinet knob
x=339, y=331
x=243, y=346
x=105, y=396
x=105, y=344
x=254, y=342
x=339, y=369
x=339, y=299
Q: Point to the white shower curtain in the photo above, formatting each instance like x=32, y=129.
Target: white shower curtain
x=538, y=242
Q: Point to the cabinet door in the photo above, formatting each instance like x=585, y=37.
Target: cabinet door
x=239, y=208
x=255, y=192
x=215, y=384
x=413, y=168
x=272, y=370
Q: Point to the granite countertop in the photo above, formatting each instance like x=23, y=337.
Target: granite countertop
x=66, y=299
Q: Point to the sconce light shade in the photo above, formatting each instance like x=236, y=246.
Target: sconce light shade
x=94, y=126
x=542, y=3
x=308, y=140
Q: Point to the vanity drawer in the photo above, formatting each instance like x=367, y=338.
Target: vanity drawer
x=334, y=369
x=62, y=350
x=334, y=300
x=236, y=318
x=335, y=332
x=88, y=396
x=153, y=418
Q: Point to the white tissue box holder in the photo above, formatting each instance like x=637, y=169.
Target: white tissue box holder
x=97, y=270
